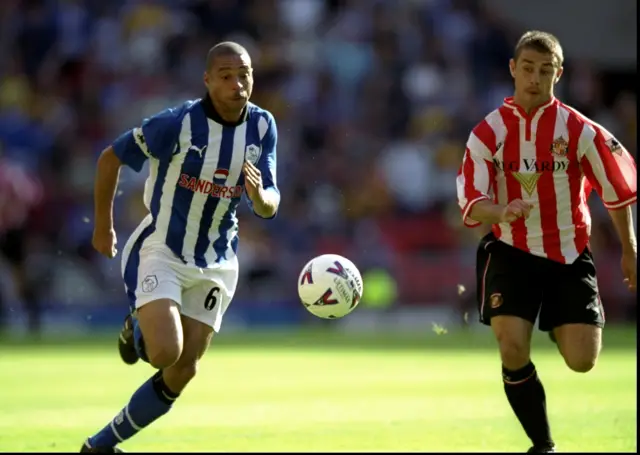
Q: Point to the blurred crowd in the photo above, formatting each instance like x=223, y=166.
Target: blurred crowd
x=374, y=101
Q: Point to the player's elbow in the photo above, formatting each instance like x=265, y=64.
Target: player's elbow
x=266, y=211
x=471, y=209
x=267, y=207
x=621, y=203
x=108, y=159
x=270, y=215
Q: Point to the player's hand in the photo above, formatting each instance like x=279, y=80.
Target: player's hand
x=252, y=181
x=629, y=268
x=516, y=209
x=104, y=241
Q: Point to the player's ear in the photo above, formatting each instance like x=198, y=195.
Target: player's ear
x=512, y=68
x=206, y=79
x=559, y=74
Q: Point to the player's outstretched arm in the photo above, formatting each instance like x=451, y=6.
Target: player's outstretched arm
x=623, y=222
x=107, y=174
x=611, y=170
x=489, y=213
x=156, y=138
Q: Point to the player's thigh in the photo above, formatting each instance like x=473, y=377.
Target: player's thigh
x=506, y=282
x=571, y=295
x=209, y=298
x=572, y=309
x=154, y=288
x=579, y=345
x=162, y=331
x=197, y=337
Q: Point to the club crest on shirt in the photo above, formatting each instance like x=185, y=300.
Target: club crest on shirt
x=560, y=147
x=252, y=153
x=614, y=146
x=496, y=300
x=149, y=283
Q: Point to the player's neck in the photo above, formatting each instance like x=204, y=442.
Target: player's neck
x=530, y=106
x=228, y=116
x=218, y=114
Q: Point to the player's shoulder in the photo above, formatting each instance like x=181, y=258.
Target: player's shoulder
x=174, y=115
x=492, y=125
x=259, y=114
x=580, y=118
x=492, y=117
x=180, y=111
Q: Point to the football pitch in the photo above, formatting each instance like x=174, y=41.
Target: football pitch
x=319, y=391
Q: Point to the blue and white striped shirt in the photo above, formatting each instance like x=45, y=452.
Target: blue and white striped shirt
x=195, y=181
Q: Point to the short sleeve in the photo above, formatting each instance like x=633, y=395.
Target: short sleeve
x=608, y=166
x=475, y=177
x=156, y=138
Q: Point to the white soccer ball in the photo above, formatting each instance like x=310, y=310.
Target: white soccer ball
x=330, y=286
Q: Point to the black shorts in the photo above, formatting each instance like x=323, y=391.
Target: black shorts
x=512, y=282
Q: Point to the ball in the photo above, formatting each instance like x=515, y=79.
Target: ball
x=330, y=286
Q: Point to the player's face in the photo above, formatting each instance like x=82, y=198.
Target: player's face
x=230, y=81
x=535, y=75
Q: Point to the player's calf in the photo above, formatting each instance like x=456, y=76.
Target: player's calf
x=159, y=324
x=579, y=345
x=521, y=383
x=151, y=401
x=156, y=396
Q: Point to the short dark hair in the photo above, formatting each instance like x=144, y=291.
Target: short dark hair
x=543, y=42
x=225, y=48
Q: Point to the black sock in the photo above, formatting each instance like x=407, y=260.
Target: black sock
x=528, y=401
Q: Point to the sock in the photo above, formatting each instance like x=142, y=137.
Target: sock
x=151, y=401
x=138, y=341
x=528, y=401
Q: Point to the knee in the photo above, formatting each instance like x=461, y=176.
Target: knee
x=514, y=354
x=186, y=371
x=164, y=356
x=180, y=374
x=581, y=364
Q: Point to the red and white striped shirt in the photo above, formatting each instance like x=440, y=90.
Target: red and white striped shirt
x=551, y=158
x=19, y=193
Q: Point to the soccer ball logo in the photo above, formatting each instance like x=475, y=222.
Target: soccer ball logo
x=330, y=286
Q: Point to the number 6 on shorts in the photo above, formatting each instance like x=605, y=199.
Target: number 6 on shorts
x=212, y=298
x=206, y=302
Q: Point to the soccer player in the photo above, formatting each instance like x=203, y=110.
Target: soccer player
x=179, y=266
x=528, y=170
x=20, y=192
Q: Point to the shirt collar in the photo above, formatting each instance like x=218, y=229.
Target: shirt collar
x=210, y=111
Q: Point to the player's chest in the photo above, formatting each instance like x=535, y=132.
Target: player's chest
x=218, y=153
x=535, y=147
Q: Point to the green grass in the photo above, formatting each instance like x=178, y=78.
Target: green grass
x=319, y=391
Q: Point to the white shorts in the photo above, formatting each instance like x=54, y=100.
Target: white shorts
x=152, y=271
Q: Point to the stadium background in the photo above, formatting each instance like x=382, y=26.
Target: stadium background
x=374, y=101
